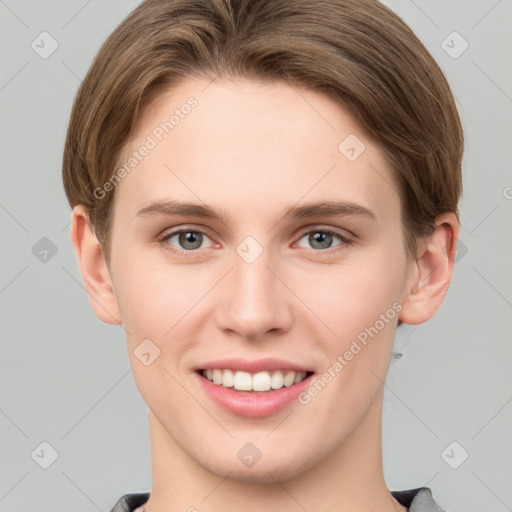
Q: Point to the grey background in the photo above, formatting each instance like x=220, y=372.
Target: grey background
x=65, y=376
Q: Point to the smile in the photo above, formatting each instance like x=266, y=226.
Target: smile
x=259, y=382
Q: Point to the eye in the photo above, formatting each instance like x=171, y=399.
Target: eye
x=184, y=240
x=188, y=241
x=322, y=239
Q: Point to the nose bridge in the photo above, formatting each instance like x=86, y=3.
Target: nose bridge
x=254, y=301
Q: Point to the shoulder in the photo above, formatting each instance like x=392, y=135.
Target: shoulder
x=417, y=500
x=129, y=502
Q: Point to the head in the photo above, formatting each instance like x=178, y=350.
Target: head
x=252, y=109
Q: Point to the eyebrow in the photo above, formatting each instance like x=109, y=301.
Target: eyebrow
x=316, y=209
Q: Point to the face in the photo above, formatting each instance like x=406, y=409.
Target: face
x=295, y=260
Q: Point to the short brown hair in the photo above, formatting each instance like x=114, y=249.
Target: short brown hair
x=358, y=52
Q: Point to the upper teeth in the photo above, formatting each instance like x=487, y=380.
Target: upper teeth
x=261, y=381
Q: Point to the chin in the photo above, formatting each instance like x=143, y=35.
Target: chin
x=263, y=474
x=267, y=470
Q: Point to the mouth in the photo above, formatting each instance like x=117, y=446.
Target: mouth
x=253, y=383
x=253, y=388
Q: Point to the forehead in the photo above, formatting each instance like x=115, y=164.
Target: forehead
x=239, y=142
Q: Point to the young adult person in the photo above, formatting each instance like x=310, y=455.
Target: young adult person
x=262, y=192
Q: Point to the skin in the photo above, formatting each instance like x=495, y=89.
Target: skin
x=252, y=150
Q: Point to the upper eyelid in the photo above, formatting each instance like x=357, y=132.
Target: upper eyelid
x=306, y=229
x=335, y=231
x=168, y=233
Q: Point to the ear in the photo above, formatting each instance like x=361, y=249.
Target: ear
x=93, y=268
x=432, y=272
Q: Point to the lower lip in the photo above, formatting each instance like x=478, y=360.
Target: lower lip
x=250, y=404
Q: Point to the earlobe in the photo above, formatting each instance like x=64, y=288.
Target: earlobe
x=93, y=268
x=433, y=272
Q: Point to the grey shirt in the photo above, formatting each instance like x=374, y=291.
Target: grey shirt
x=416, y=500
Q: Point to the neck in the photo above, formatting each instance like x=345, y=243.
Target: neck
x=348, y=479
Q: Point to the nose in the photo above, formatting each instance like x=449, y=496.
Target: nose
x=254, y=301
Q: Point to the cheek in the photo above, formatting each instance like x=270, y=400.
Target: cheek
x=361, y=307
x=351, y=297
x=153, y=298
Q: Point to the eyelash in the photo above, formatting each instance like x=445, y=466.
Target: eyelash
x=192, y=253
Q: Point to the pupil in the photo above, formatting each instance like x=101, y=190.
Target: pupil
x=190, y=238
x=321, y=238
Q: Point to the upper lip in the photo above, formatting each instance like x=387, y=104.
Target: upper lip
x=259, y=365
